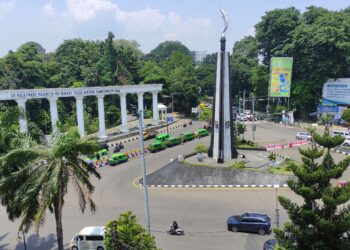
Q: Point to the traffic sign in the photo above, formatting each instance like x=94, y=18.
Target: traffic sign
x=194, y=110
x=170, y=119
x=330, y=109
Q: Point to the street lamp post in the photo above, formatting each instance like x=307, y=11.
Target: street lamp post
x=172, y=102
x=253, y=128
x=143, y=164
x=277, y=214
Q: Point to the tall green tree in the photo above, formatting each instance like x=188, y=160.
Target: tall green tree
x=128, y=61
x=182, y=81
x=151, y=72
x=108, y=63
x=35, y=179
x=205, y=73
x=322, y=221
x=74, y=57
x=321, y=50
x=165, y=49
x=244, y=60
x=274, y=31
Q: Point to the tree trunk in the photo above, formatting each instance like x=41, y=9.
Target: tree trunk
x=58, y=217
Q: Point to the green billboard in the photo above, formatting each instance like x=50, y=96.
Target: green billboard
x=280, y=76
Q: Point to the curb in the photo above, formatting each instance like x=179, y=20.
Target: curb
x=137, y=184
x=279, y=155
x=212, y=186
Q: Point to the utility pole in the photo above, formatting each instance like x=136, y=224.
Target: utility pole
x=172, y=102
x=277, y=209
x=243, y=101
x=253, y=127
x=239, y=105
x=143, y=164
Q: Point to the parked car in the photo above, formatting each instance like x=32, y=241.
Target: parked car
x=150, y=134
x=270, y=244
x=104, y=146
x=341, y=133
x=172, y=141
x=117, y=159
x=187, y=136
x=242, y=117
x=250, y=222
x=346, y=143
x=303, y=136
x=88, y=238
x=162, y=137
x=103, y=153
x=156, y=146
x=202, y=132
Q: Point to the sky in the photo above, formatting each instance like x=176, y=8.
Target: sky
x=195, y=23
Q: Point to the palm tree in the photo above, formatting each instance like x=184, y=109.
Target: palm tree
x=39, y=178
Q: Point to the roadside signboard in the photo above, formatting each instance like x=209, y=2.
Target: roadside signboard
x=280, y=76
x=328, y=109
x=336, y=91
x=170, y=119
x=194, y=110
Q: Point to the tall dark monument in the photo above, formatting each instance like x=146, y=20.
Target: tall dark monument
x=222, y=140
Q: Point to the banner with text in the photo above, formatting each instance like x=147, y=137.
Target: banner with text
x=281, y=76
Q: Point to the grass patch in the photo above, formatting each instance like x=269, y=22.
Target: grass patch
x=238, y=165
x=283, y=169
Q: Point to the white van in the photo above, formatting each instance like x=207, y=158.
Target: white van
x=341, y=133
x=89, y=238
x=346, y=143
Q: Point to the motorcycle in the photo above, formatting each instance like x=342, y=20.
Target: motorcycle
x=178, y=231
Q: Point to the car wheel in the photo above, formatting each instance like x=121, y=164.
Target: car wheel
x=234, y=229
x=74, y=248
x=100, y=248
x=261, y=231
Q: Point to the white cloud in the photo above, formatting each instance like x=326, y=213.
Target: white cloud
x=48, y=9
x=6, y=7
x=149, y=25
x=83, y=10
x=147, y=19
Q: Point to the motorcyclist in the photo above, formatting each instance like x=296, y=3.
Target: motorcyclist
x=174, y=226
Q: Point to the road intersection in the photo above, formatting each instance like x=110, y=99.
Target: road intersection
x=201, y=212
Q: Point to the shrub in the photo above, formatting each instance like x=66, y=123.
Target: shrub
x=201, y=148
x=238, y=165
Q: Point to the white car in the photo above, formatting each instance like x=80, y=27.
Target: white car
x=303, y=136
x=241, y=117
x=346, y=143
x=341, y=133
x=88, y=238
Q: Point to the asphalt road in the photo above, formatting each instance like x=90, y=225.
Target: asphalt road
x=201, y=212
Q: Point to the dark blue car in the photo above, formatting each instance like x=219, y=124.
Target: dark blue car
x=250, y=222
